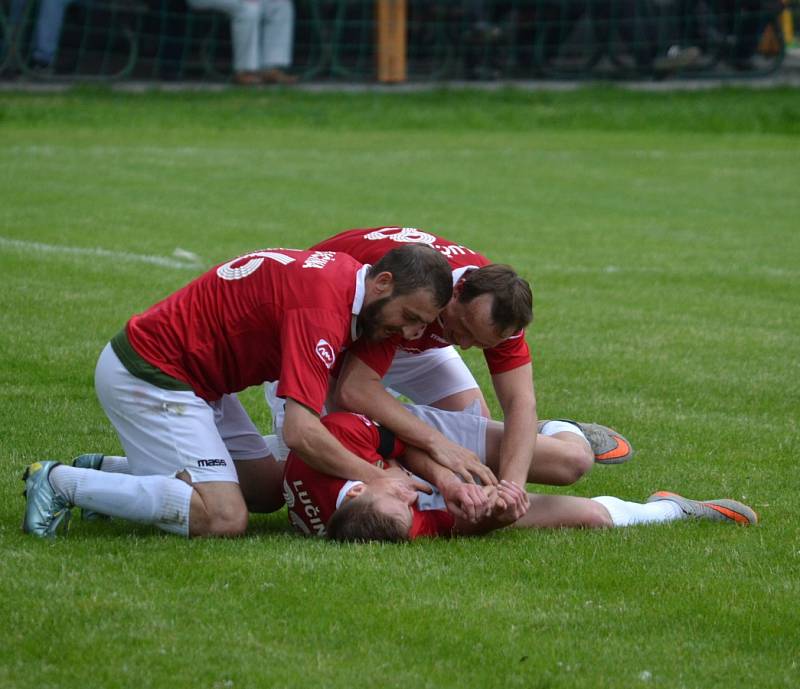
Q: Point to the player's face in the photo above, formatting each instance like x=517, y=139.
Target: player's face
x=407, y=316
x=470, y=325
x=393, y=498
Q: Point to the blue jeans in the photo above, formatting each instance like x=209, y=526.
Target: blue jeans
x=47, y=32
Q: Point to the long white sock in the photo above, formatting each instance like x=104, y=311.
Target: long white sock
x=625, y=513
x=115, y=465
x=158, y=500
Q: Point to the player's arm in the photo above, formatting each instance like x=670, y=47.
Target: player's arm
x=464, y=500
x=304, y=433
x=514, y=390
x=359, y=389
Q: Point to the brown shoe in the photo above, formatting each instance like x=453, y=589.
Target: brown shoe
x=247, y=78
x=277, y=76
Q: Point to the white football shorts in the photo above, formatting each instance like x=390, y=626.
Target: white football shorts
x=429, y=376
x=165, y=432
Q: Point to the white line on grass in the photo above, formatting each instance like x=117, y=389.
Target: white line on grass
x=97, y=252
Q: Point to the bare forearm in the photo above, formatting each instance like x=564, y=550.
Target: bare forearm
x=515, y=393
x=422, y=464
x=306, y=436
x=372, y=400
x=518, y=444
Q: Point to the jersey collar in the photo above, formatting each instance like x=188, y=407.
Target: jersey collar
x=358, y=301
x=459, y=273
x=345, y=490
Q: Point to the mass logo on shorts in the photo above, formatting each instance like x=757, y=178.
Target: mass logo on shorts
x=326, y=353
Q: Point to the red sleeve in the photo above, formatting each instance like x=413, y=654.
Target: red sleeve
x=509, y=354
x=431, y=523
x=311, y=340
x=377, y=355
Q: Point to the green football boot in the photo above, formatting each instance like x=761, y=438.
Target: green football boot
x=90, y=461
x=45, y=512
x=730, y=511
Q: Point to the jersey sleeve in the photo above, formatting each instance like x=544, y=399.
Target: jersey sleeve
x=377, y=355
x=431, y=523
x=311, y=341
x=511, y=353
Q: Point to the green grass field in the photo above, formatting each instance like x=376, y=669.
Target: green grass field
x=662, y=238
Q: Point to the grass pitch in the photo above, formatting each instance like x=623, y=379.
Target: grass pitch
x=660, y=232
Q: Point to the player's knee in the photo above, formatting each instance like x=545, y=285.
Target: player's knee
x=576, y=463
x=228, y=522
x=220, y=520
x=597, y=517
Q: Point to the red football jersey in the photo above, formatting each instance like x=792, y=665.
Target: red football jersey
x=370, y=244
x=276, y=314
x=312, y=497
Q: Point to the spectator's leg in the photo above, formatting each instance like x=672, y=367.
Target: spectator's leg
x=277, y=37
x=245, y=17
x=47, y=33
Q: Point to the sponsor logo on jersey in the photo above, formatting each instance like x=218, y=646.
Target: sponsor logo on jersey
x=307, y=508
x=319, y=259
x=407, y=235
x=325, y=352
x=453, y=250
x=212, y=463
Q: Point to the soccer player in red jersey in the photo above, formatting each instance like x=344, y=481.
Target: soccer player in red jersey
x=168, y=380
x=490, y=307
x=389, y=510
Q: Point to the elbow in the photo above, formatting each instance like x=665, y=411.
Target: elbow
x=296, y=436
x=349, y=397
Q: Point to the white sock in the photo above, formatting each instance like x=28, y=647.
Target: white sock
x=553, y=427
x=114, y=465
x=159, y=500
x=629, y=513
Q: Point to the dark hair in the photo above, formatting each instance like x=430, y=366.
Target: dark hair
x=417, y=266
x=357, y=521
x=512, y=307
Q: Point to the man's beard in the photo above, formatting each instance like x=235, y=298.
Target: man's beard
x=371, y=319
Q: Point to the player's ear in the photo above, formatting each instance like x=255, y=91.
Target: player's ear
x=383, y=284
x=355, y=491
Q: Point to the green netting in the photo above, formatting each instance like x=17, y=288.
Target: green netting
x=446, y=39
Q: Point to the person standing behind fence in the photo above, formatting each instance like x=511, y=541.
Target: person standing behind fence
x=46, y=33
x=262, y=33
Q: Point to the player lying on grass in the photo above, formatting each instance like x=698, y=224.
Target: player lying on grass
x=388, y=510
x=167, y=383
x=490, y=308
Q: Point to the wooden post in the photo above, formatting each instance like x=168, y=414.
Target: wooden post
x=391, y=27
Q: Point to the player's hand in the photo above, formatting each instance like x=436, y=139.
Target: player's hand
x=411, y=481
x=511, y=503
x=466, y=500
x=462, y=462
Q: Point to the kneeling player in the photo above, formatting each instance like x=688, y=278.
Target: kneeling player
x=388, y=510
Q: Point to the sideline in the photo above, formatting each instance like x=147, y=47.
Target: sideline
x=182, y=259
